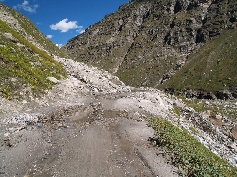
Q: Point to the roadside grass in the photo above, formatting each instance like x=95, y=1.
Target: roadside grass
x=176, y=111
x=190, y=156
x=195, y=104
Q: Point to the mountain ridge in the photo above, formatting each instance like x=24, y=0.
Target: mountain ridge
x=27, y=29
x=146, y=42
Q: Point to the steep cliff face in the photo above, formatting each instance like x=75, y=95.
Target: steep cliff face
x=26, y=63
x=147, y=41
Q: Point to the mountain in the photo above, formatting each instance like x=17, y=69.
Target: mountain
x=91, y=113
x=25, y=57
x=212, y=68
x=147, y=42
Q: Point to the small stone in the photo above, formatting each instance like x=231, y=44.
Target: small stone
x=234, y=133
x=13, y=79
x=9, y=36
x=59, y=124
x=24, y=102
x=219, y=117
x=53, y=79
x=6, y=135
x=233, y=147
x=75, y=84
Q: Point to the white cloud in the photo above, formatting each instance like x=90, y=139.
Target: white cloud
x=26, y=6
x=2, y=0
x=64, y=25
x=49, y=36
x=80, y=31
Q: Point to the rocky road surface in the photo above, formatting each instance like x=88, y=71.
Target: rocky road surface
x=91, y=124
x=88, y=141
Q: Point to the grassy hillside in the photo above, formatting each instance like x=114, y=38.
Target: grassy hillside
x=211, y=68
x=29, y=31
x=24, y=67
x=38, y=36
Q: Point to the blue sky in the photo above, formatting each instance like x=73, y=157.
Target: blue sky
x=61, y=20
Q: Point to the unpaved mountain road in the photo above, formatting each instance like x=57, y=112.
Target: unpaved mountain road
x=101, y=137
x=90, y=124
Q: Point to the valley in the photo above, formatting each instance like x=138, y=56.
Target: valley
x=150, y=90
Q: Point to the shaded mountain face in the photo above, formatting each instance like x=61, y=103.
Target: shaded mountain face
x=210, y=72
x=25, y=57
x=146, y=42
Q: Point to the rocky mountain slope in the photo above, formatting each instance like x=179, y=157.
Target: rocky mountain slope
x=146, y=42
x=212, y=68
x=23, y=26
x=25, y=57
x=92, y=124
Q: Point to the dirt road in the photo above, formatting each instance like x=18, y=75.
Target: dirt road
x=98, y=138
x=91, y=124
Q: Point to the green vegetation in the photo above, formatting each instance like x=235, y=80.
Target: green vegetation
x=23, y=66
x=193, y=130
x=176, y=111
x=195, y=104
x=228, y=109
x=30, y=29
x=212, y=68
x=190, y=156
